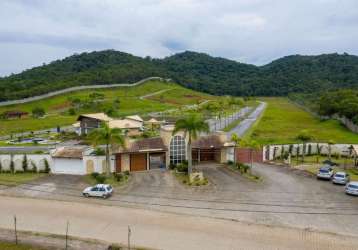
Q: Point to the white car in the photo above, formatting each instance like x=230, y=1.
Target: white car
x=100, y=190
x=340, y=178
x=352, y=188
x=325, y=172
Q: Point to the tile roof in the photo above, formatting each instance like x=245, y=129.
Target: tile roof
x=69, y=152
x=135, y=118
x=146, y=145
x=97, y=116
x=209, y=141
x=124, y=124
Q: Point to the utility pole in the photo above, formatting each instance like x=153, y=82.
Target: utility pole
x=67, y=235
x=129, y=238
x=15, y=230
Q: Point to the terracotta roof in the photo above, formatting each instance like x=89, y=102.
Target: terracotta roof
x=124, y=124
x=210, y=141
x=146, y=145
x=69, y=152
x=97, y=116
x=135, y=118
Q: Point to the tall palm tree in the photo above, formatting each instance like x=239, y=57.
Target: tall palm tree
x=237, y=140
x=108, y=137
x=191, y=125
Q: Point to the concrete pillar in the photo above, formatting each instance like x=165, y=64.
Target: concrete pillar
x=148, y=159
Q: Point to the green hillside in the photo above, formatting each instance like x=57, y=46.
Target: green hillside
x=282, y=121
x=64, y=109
x=190, y=69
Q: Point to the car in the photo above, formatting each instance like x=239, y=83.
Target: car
x=340, y=178
x=99, y=190
x=325, y=172
x=352, y=188
x=330, y=163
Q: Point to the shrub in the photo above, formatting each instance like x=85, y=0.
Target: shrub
x=34, y=168
x=100, y=179
x=47, y=166
x=118, y=176
x=126, y=172
x=38, y=112
x=71, y=111
x=94, y=175
x=229, y=162
x=99, y=151
x=12, y=166
x=182, y=168
x=25, y=163
x=172, y=166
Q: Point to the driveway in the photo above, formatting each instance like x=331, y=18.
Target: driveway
x=283, y=198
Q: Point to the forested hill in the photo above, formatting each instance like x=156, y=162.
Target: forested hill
x=195, y=70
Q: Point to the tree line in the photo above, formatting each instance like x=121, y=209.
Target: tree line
x=198, y=71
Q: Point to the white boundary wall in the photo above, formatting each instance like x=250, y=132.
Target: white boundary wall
x=341, y=149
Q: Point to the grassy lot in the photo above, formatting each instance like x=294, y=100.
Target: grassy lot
x=13, y=246
x=9, y=179
x=282, y=121
x=129, y=103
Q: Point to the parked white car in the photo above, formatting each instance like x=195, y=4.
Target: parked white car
x=325, y=172
x=352, y=188
x=100, y=190
x=340, y=178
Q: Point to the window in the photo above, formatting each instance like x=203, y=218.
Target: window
x=177, y=149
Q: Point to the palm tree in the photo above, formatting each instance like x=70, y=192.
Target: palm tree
x=108, y=137
x=237, y=140
x=304, y=137
x=191, y=125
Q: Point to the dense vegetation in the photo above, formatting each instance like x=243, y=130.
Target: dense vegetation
x=343, y=102
x=194, y=70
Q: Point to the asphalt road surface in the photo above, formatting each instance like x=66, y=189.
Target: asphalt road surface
x=285, y=197
x=244, y=126
x=157, y=229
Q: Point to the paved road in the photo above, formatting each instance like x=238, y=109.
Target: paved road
x=72, y=89
x=158, y=230
x=220, y=124
x=284, y=198
x=244, y=126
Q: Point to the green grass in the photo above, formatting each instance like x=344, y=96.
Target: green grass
x=282, y=121
x=9, y=179
x=130, y=103
x=13, y=246
x=313, y=169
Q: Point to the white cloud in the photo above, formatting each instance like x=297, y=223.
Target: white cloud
x=252, y=31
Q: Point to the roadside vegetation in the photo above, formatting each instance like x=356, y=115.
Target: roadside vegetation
x=115, y=179
x=244, y=170
x=13, y=246
x=283, y=120
x=180, y=171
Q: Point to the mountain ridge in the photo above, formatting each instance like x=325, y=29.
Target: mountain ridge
x=199, y=71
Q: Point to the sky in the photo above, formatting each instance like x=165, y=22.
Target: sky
x=34, y=32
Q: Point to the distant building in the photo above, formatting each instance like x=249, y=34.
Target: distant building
x=91, y=121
